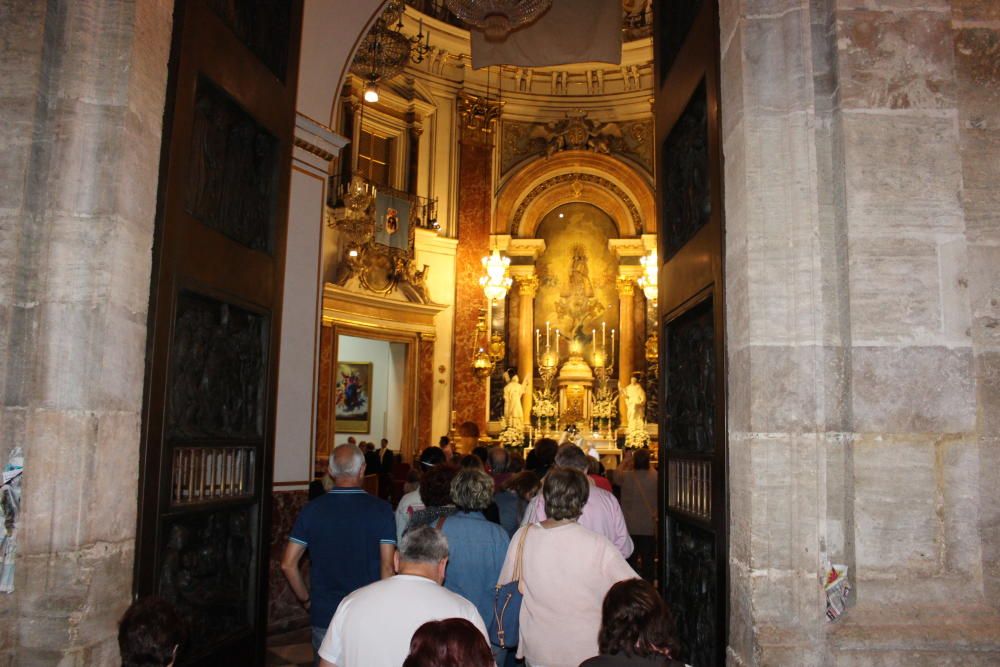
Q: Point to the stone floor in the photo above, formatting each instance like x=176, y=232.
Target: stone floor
x=290, y=649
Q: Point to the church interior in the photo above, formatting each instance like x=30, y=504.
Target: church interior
x=760, y=239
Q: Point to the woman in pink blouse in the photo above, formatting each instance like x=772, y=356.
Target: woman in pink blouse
x=566, y=571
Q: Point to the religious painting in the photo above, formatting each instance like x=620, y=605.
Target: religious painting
x=392, y=218
x=577, y=293
x=352, y=404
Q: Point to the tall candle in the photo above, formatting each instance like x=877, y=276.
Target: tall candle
x=612, y=344
x=538, y=341
x=604, y=336
x=546, y=336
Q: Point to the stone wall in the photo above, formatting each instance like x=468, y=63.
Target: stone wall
x=862, y=285
x=82, y=105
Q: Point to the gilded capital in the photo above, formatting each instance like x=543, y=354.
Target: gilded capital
x=625, y=285
x=527, y=285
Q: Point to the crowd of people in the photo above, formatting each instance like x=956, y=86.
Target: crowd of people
x=418, y=586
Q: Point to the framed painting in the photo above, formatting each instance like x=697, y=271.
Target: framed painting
x=352, y=405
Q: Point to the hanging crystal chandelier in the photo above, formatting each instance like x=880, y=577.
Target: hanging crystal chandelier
x=497, y=18
x=649, y=280
x=385, y=50
x=497, y=280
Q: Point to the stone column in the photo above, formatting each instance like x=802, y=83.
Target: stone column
x=527, y=287
x=82, y=110
x=626, y=331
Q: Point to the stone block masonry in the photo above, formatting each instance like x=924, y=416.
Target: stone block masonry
x=863, y=278
x=82, y=107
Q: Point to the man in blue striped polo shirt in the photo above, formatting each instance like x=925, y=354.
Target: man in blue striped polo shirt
x=351, y=538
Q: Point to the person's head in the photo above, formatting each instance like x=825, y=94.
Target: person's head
x=499, y=459
x=149, y=633
x=351, y=440
x=431, y=456
x=635, y=379
x=516, y=462
x=641, y=459
x=470, y=461
x=482, y=453
x=384, y=443
x=347, y=465
x=435, y=485
x=565, y=491
x=443, y=440
x=636, y=621
x=571, y=456
x=545, y=451
x=424, y=552
x=524, y=484
x=472, y=490
x=453, y=642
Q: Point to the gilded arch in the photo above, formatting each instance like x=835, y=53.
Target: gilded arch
x=575, y=176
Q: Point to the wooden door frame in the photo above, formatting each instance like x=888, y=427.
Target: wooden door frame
x=412, y=341
x=190, y=257
x=696, y=273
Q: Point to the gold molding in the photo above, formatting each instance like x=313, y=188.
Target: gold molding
x=369, y=311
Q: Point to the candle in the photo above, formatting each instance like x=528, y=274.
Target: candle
x=538, y=341
x=557, y=344
x=612, y=344
x=546, y=336
x=604, y=336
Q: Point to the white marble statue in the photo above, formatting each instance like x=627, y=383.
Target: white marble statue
x=513, y=410
x=635, y=403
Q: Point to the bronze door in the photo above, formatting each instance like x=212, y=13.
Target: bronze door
x=219, y=255
x=694, y=551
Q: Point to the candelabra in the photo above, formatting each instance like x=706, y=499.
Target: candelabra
x=605, y=398
x=545, y=404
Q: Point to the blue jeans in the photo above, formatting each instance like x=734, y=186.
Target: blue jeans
x=317, y=639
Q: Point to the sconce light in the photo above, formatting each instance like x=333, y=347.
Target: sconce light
x=482, y=360
x=649, y=279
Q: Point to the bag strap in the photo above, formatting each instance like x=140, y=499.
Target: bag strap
x=520, y=553
x=440, y=522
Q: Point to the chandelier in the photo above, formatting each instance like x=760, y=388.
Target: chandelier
x=497, y=18
x=385, y=50
x=497, y=280
x=649, y=280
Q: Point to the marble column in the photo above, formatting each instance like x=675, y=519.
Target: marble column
x=527, y=288
x=626, y=331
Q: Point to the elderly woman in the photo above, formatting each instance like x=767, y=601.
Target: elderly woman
x=476, y=546
x=636, y=628
x=435, y=491
x=566, y=571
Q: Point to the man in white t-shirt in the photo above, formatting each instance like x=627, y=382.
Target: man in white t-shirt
x=373, y=625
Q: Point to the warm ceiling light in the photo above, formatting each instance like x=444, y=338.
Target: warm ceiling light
x=497, y=280
x=649, y=279
x=371, y=92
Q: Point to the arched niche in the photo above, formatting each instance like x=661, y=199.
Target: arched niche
x=575, y=176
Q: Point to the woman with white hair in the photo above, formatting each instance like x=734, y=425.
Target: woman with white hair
x=477, y=546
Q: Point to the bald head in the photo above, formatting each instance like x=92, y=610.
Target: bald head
x=347, y=465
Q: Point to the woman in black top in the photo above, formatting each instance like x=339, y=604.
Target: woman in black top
x=637, y=628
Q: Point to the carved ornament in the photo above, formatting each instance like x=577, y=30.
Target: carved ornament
x=578, y=182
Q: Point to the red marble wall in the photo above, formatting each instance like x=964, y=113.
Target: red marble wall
x=323, y=435
x=283, y=610
x=425, y=393
x=474, y=209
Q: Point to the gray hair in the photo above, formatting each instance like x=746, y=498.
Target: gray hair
x=346, y=461
x=472, y=490
x=499, y=459
x=423, y=544
x=571, y=456
x=565, y=492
